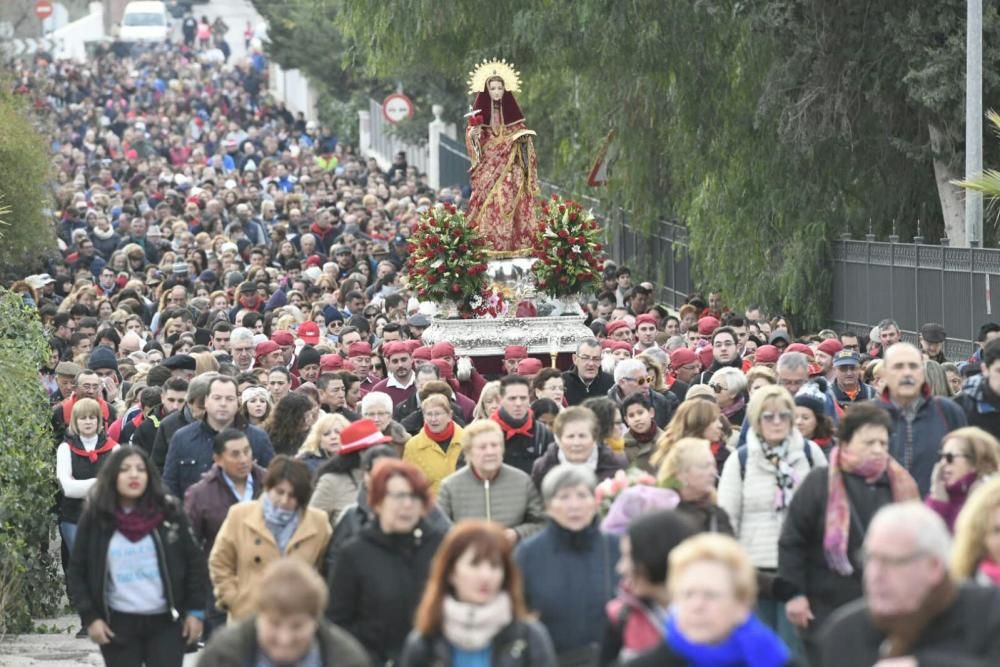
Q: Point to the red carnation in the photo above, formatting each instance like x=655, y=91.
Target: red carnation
x=563, y=234
x=560, y=252
x=456, y=288
x=598, y=247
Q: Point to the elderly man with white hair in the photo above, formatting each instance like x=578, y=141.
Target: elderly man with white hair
x=631, y=377
x=241, y=347
x=913, y=613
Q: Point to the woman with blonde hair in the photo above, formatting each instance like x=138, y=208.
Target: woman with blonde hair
x=689, y=468
x=489, y=401
x=205, y=362
x=322, y=441
x=757, y=486
x=693, y=419
x=968, y=456
x=976, y=550
x=713, y=587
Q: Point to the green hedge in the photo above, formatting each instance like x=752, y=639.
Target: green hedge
x=30, y=583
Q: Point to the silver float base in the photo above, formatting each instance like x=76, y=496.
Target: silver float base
x=488, y=337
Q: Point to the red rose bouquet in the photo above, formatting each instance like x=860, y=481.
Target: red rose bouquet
x=567, y=248
x=447, y=259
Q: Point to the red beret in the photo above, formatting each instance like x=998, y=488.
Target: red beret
x=423, y=352
x=359, y=349
x=515, y=352
x=615, y=326
x=830, y=346
x=607, y=344
x=395, y=347
x=529, y=366
x=283, y=338
x=705, y=356
x=265, y=348
x=766, y=354
x=621, y=345
x=442, y=349
x=800, y=347
x=330, y=362
x=314, y=260
x=411, y=344
x=645, y=318
x=682, y=356
x=707, y=325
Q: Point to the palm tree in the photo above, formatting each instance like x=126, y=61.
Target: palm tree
x=987, y=182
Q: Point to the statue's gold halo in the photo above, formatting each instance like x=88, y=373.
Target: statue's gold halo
x=491, y=68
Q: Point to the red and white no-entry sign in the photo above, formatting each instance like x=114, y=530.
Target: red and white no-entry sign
x=43, y=9
x=397, y=107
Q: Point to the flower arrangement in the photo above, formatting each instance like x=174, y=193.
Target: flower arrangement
x=613, y=487
x=491, y=303
x=567, y=248
x=447, y=259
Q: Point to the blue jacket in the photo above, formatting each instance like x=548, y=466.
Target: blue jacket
x=916, y=447
x=568, y=579
x=189, y=455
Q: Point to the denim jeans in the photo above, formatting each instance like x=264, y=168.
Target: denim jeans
x=67, y=530
x=772, y=613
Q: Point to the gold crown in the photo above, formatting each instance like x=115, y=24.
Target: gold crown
x=491, y=68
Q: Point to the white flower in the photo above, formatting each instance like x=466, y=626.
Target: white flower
x=575, y=248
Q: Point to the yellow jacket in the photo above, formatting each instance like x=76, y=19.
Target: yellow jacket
x=427, y=455
x=245, y=546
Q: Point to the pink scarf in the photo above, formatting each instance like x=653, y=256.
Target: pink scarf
x=991, y=570
x=838, y=511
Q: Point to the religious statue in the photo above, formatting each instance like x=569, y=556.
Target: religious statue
x=504, y=172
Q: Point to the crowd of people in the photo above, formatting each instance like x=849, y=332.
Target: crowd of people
x=257, y=453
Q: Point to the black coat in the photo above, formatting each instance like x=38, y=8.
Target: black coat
x=520, y=644
x=183, y=566
x=377, y=584
x=608, y=463
x=236, y=646
x=170, y=425
x=967, y=634
x=577, y=392
x=801, y=562
x=708, y=517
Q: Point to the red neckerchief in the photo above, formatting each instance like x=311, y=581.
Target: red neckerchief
x=93, y=454
x=648, y=436
x=442, y=437
x=510, y=431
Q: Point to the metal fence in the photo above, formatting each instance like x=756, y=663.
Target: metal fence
x=915, y=283
x=453, y=163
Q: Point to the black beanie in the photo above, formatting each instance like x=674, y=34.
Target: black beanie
x=307, y=355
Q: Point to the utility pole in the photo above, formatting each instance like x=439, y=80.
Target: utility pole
x=974, y=119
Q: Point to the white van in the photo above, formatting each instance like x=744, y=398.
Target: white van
x=144, y=21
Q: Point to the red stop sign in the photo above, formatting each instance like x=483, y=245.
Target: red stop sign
x=43, y=9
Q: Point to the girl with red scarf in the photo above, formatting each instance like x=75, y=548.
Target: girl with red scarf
x=78, y=458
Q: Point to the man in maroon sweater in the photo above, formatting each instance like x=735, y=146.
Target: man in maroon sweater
x=399, y=382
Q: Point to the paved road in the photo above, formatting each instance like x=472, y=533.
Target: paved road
x=64, y=649
x=56, y=650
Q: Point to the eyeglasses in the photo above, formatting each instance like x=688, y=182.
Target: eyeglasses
x=886, y=561
x=949, y=457
x=639, y=381
x=783, y=416
x=584, y=358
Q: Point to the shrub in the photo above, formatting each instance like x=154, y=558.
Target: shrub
x=30, y=585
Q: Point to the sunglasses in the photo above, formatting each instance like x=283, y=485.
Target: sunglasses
x=949, y=457
x=639, y=381
x=717, y=388
x=783, y=416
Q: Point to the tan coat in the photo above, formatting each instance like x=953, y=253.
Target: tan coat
x=245, y=547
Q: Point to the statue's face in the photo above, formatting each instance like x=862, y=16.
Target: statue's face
x=495, y=88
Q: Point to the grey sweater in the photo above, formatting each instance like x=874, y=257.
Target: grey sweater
x=510, y=499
